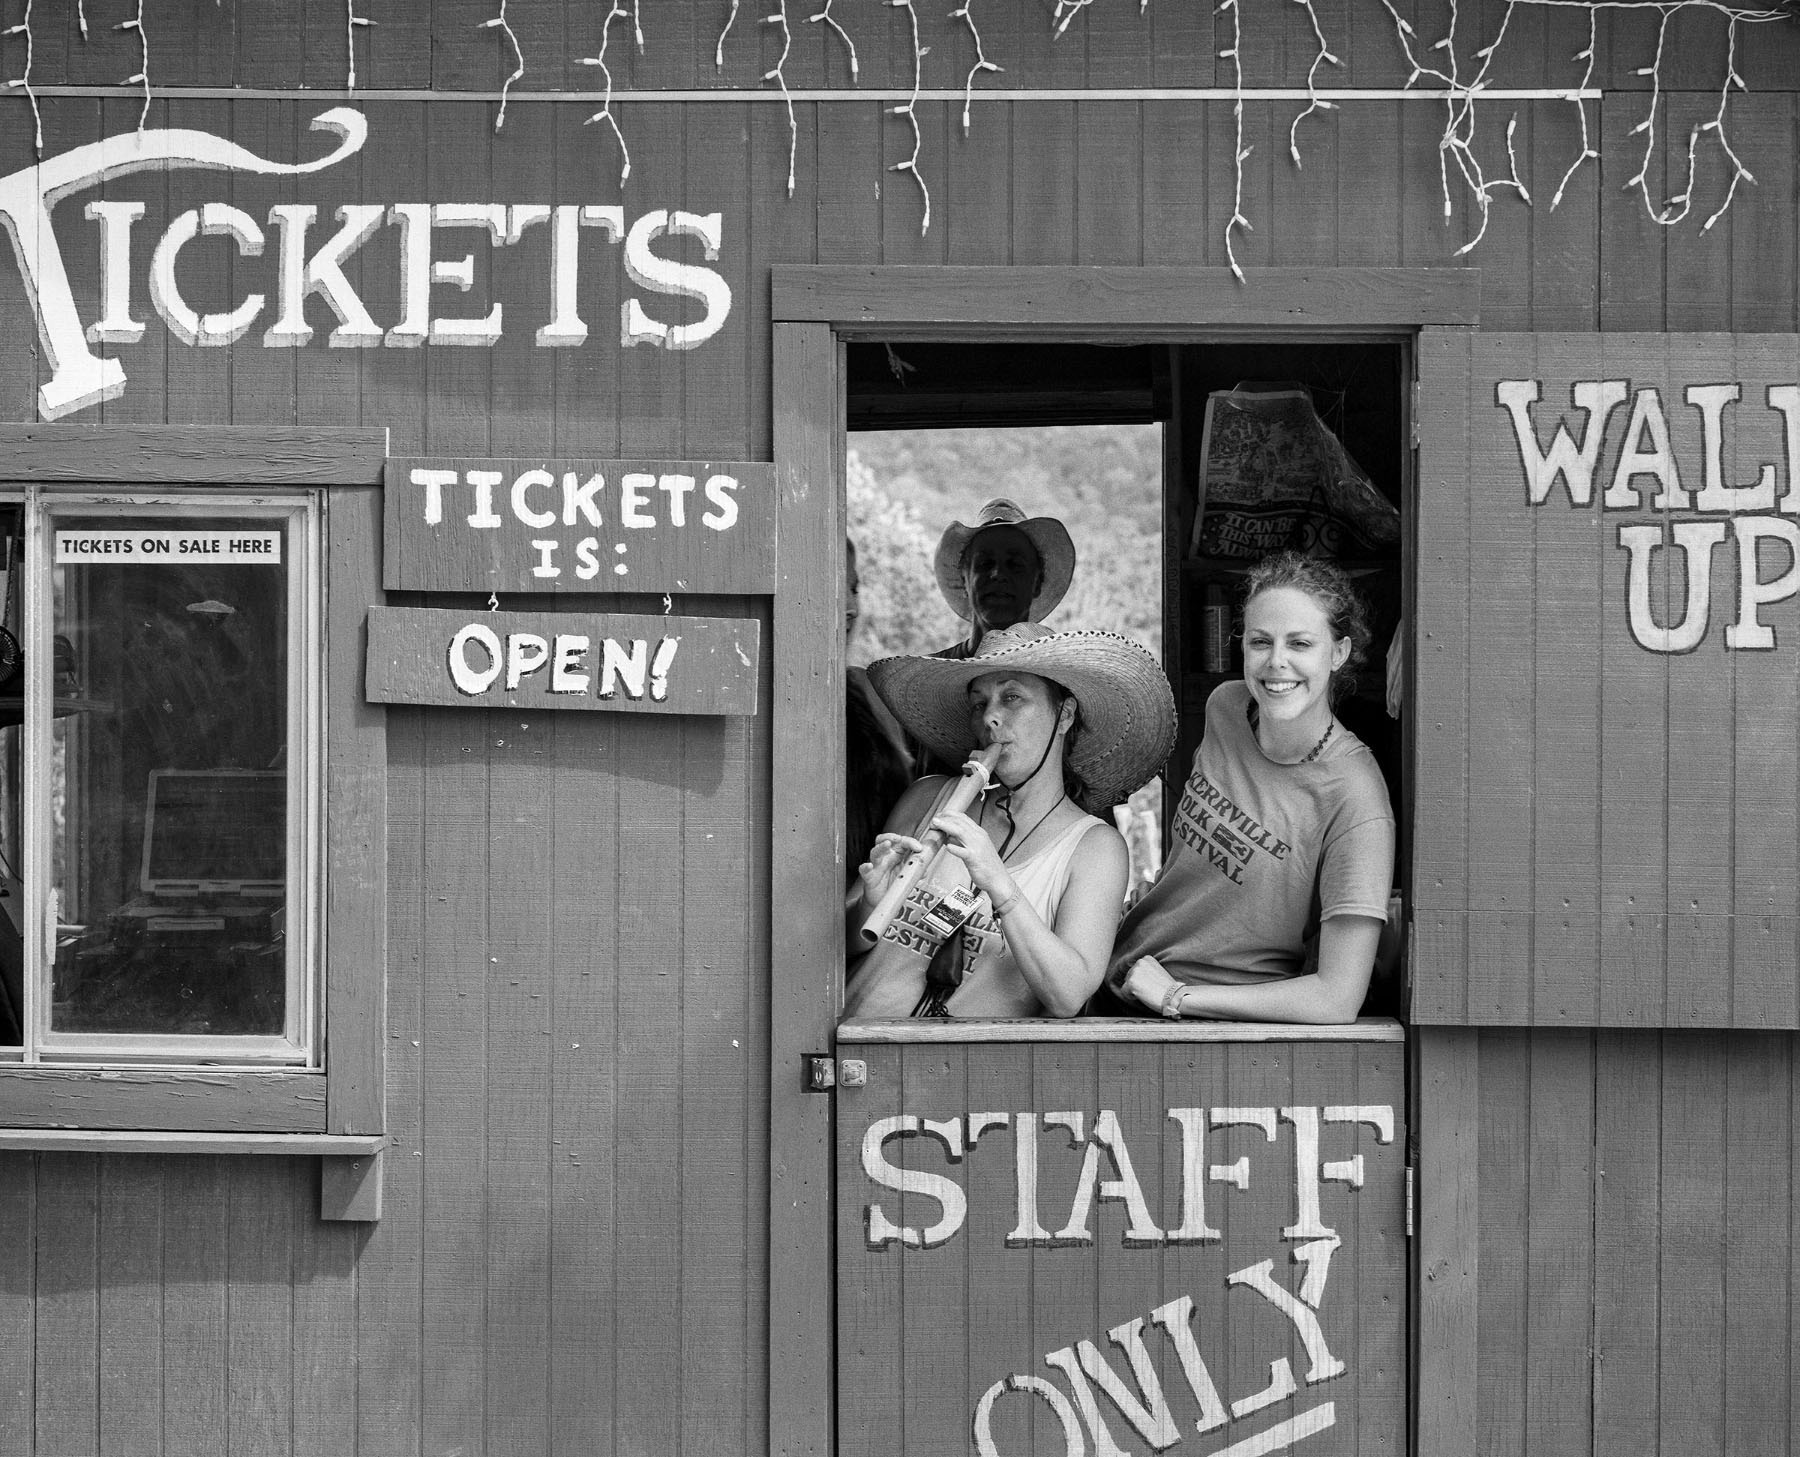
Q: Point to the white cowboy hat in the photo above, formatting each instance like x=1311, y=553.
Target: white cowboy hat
x=1051, y=538
x=1127, y=707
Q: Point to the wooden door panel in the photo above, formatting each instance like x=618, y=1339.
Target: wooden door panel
x=1121, y=1247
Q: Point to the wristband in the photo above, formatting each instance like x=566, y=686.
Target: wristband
x=1002, y=907
x=1171, y=1002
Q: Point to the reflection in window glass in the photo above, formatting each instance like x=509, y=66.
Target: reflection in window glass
x=168, y=902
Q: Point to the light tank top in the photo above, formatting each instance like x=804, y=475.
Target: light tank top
x=890, y=978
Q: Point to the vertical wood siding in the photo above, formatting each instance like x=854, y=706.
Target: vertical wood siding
x=1620, y=1276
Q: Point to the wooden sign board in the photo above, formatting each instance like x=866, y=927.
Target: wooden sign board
x=477, y=525
x=616, y=663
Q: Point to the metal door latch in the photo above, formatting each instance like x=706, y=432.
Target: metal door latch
x=821, y=1074
x=853, y=1072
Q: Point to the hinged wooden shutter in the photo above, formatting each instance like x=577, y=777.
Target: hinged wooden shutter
x=1606, y=803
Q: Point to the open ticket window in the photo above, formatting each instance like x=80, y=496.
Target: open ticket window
x=159, y=781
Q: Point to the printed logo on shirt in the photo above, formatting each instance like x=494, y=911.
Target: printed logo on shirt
x=1210, y=824
x=915, y=929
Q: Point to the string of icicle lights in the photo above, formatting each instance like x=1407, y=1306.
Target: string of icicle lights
x=1447, y=65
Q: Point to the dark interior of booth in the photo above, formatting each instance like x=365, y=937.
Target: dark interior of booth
x=1359, y=390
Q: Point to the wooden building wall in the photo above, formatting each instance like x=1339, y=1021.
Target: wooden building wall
x=571, y=1256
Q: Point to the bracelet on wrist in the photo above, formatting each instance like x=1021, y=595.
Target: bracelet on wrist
x=1171, y=1002
x=1001, y=907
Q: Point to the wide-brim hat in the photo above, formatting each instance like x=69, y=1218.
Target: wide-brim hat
x=1127, y=706
x=1056, y=551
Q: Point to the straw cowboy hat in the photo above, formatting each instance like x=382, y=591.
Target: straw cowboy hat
x=1051, y=538
x=1127, y=708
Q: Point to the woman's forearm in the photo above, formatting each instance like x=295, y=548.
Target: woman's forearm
x=1057, y=973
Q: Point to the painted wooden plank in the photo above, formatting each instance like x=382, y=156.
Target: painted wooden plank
x=145, y=361
x=1565, y=751
x=1380, y=1309
x=585, y=400
x=932, y=1371
x=130, y=1323
x=1117, y=1029
x=1506, y=1341
x=457, y=384
x=1765, y=850
x=805, y=880
x=122, y=1141
x=65, y=1313
x=199, y=380
x=905, y=238
x=716, y=420
x=356, y=766
x=723, y=964
x=1034, y=299
x=1634, y=828
x=1067, y=1301
x=1691, y=1273
x=615, y=663
x=649, y=1201
x=1176, y=141
x=977, y=207
x=388, y=1265
x=193, y=454
x=1632, y=283
x=18, y=1276
x=466, y=525
x=196, y=1262
x=1559, y=1241
x=1757, y=1392
x=264, y=380
x=1764, y=294
x=1000, y=1337
x=1565, y=290
x=1109, y=189
x=525, y=875
x=584, y=1093
x=453, y=1142
x=326, y=1351
x=1503, y=753
x=870, y=1281
x=1703, y=712
x=1628, y=1199
x=259, y=1306
x=260, y=1102
x=1441, y=825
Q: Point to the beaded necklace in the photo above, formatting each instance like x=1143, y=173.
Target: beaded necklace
x=1330, y=728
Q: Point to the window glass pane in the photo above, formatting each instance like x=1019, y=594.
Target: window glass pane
x=168, y=773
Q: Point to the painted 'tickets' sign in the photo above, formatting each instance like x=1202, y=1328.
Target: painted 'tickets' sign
x=579, y=526
x=562, y=660
x=310, y=250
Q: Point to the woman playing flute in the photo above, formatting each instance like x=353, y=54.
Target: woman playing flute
x=1016, y=917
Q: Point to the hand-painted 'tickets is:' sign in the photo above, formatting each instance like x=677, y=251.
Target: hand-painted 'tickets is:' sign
x=579, y=526
x=562, y=660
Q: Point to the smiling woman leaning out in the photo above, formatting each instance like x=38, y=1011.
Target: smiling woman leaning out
x=1016, y=917
x=1284, y=840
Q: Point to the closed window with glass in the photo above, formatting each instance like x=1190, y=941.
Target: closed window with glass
x=158, y=826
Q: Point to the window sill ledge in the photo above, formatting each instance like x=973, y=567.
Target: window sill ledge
x=1115, y=1029
x=350, y=1163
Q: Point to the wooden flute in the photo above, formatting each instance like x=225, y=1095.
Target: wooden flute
x=978, y=773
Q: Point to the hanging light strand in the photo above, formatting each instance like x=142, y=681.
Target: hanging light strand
x=1313, y=100
x=504, y=26
x=351, y=21
x=142, y=75
x=779, y=75
x=910, y=111
x=967, y=15
x=826, y=17
x=605, y=113
x=1240, y=153
x=24, y=78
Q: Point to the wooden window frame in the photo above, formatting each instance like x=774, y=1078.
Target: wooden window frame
x=815, y=310
x=334, y=1109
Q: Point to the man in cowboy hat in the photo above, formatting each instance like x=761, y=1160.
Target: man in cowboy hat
x=1005, y=569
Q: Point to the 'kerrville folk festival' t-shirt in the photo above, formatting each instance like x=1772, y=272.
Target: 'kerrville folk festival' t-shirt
x=1261, y=854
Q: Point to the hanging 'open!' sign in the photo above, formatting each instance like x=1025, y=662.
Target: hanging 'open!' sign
x=616, y=662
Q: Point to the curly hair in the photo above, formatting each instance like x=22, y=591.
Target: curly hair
x=1330, y=588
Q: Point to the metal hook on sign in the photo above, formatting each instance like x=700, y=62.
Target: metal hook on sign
x=493, y=601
